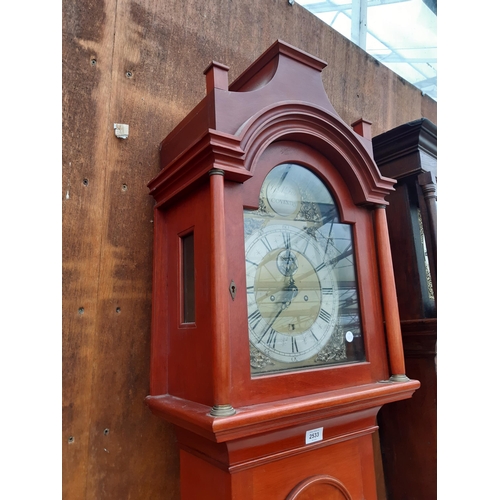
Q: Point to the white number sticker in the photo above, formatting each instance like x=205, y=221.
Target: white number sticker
x=314, y=435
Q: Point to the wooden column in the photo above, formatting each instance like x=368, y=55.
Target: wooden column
x=220, y=290
x=390, y=302
x=427, y=183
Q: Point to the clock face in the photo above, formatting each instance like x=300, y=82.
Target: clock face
x=301, y=284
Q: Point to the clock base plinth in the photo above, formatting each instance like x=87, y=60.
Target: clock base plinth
x=236, y=470
x=261, y=452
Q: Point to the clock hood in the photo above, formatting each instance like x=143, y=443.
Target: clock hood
x=280, y=96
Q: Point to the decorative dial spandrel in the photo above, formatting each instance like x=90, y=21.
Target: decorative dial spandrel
x=301, y=281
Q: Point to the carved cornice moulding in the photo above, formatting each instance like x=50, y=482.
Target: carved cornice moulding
x=298, y=121
x=326, y=132
x=418, y=138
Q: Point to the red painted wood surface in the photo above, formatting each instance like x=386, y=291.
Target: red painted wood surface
x=391, y=312
x=291, y=474
x=221, y=355
x=214, y=164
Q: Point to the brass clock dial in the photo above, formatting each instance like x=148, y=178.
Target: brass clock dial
x=302, y=306
x=293, y=297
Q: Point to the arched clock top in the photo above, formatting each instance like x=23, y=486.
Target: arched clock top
x=309, y=125
x=293, y=152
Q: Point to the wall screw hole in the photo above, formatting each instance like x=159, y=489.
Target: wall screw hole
x=124, y=187
x=128, y=74
x=93, y=62
x=71, y=439
x=118, y=310
x=81, y=310
x=85, y=182
x=106, y=432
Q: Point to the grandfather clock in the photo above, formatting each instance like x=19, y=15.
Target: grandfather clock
x=276, y=336
x=408, y=153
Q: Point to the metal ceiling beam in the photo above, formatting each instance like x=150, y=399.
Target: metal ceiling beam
x=393, y=52
x=428, y=82
x=330, y=6
x=357, y=12
x=394, y=57
x=359, y=22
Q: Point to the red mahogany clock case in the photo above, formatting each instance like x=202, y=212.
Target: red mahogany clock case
x=251, y=349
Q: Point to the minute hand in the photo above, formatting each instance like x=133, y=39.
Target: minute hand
x=341, y=256
x=270, y=324
x=334, y=261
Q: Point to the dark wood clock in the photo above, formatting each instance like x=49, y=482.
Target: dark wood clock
x=408, y=153
x=276, y=336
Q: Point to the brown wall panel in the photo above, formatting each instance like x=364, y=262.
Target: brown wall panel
x=87, y=38
x=141, y=63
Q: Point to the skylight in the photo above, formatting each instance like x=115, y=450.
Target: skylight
x=401, y=34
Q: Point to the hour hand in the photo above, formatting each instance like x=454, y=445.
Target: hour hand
x=288, y=293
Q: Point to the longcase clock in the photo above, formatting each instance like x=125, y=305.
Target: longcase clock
x=408, y=153
x=276, y=336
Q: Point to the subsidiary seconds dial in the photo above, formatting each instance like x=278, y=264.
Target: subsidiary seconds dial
x=291, y=293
